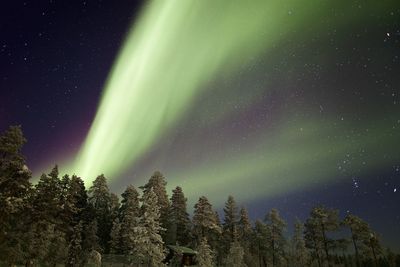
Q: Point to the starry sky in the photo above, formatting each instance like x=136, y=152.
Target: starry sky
x=284, y=105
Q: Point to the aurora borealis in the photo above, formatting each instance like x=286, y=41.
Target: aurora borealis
x=167, y=62
x=262, y=100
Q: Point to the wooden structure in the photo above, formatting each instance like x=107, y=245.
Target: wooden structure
x=180, y=256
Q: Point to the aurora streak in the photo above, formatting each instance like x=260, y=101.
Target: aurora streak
x=172, y=54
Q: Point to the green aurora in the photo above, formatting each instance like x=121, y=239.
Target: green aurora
x=174, y=53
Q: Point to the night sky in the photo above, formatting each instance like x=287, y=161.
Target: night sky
x=282, y=105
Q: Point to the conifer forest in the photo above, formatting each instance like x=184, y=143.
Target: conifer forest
x=206, y=133
x=57, y=221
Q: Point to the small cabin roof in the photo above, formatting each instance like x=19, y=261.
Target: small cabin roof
x=182, y=250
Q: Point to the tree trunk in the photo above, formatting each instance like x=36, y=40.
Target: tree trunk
x=273, y=251
x=373, y=253
x=265, y=262
x=318, y=257
x=355, y=248
x=325, y=243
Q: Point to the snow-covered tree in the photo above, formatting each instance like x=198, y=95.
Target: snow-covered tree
x=115, y=235
x=14, y=195
x=366, y=243
x=180, y=222
x=260, y=242
x=301, y=256
x=73, y=203
x=75, y=247
x=157, y=183
x=235, y=257
x=100, y=199
x=275, y=239
x=205, y=254
x=58, y=250
x=114, y=206
x=230, y=222
x=205, y=222
x=129, y=217
x=90, y=239
x=244, y=226
x=320, y=222
x=40, y=236
x=245, y=234
x=148, y=244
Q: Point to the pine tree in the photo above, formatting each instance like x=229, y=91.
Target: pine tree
x=73, y=202
x=358, y=229
x=276, y=240
x=375, y=247
x=236, y=255
x=365, y=242
x=313, y=239
x=100, y=199
x=75, y=247
x=115, y=206
x=148, y=244
x=245, y=233
x=205, y=222
x=46, y=201
x=301, y=256
x=129, y=217
x=58, y=248
x=205, y=254
x=40, y=236
x=261, y=234
x=115, y=242
x=180, y=222
x=14, y=195
x=90, y=239
x=318, y=225
x=230, y=221
x=244, y=226
x=157, y=183
x=47, y=226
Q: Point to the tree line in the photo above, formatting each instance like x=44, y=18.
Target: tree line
x=58, y=220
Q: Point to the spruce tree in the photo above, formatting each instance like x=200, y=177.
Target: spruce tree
x=115, y=206
x=73, y=201
x=235, y=257
x=261, y=234
x=129, y=217
x=276, y=240
x=115, y=235
x=244, y=226
x=180, y=222
x=148, y=244
x=90, y=239
x=40, y=236
x=301, y=256
x=47, y=204
x=230, y=221
x=205, y=223
x=75, y=247
x=14, y=196
x=245, y=233
x=58, y=248
x=100, y=199
x=205, y=254
x=157, y=183
x=47, y=224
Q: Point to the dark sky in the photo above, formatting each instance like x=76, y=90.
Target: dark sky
x=55, y=57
